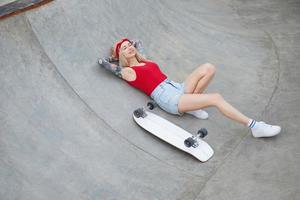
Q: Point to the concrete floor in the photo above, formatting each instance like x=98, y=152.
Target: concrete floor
x=66, y=124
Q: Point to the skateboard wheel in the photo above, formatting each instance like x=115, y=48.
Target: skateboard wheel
x=189, y=142
x=151, y=105
x=202, y=132
x=138, y=113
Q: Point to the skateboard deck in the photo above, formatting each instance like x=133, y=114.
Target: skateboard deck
x=173, y=134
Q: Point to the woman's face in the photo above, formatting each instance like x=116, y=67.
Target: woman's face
x=127, y=49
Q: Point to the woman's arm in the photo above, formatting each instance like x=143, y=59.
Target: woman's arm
x=139, y=46
x=124, y=73
x=115, y=69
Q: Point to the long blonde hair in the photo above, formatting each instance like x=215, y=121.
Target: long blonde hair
x=123, y=61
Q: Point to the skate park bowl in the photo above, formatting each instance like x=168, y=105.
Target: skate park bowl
x=66, y=123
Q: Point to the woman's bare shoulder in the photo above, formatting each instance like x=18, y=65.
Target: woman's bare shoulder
x=128, y=74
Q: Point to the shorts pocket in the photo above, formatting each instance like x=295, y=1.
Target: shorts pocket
x=165, y=97
x=158, y=91
x=174, y=84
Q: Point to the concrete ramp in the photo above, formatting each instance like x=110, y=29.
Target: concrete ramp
x=66, y=124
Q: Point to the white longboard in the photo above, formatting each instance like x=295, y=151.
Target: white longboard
x=172, y=134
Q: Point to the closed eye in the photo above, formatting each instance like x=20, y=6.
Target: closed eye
x=126, y=46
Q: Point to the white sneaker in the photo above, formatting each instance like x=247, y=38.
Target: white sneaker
x=261, y=129
x=201, y=114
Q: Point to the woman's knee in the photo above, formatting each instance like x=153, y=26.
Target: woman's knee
x=211, y=69
x=217, y=99
x=207, y=69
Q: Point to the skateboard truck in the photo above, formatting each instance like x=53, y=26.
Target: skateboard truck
x=140, y=112
x=193, y=141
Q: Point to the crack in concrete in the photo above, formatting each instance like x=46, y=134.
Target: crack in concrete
x=263, y=113
x=278, y=74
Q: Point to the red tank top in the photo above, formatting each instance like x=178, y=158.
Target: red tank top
x=147, y=77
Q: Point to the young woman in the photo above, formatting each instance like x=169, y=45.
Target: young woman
x=173, y=97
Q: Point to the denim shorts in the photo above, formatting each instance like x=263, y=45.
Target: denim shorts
x=167, y=95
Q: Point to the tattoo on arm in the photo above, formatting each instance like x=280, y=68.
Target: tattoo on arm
x=139, y=46
x=115, y=69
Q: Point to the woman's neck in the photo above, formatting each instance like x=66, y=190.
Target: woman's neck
x=133, y=61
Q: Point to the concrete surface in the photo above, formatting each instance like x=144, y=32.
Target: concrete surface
x=3, y=2
x=66, y=124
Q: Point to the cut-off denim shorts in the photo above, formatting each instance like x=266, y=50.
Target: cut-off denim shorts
x=167, y=95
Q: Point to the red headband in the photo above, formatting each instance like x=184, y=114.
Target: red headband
x=118, y=46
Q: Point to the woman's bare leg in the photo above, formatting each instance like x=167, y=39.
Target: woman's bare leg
x=190, y=102
x=197, y=82
x=199, y=79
